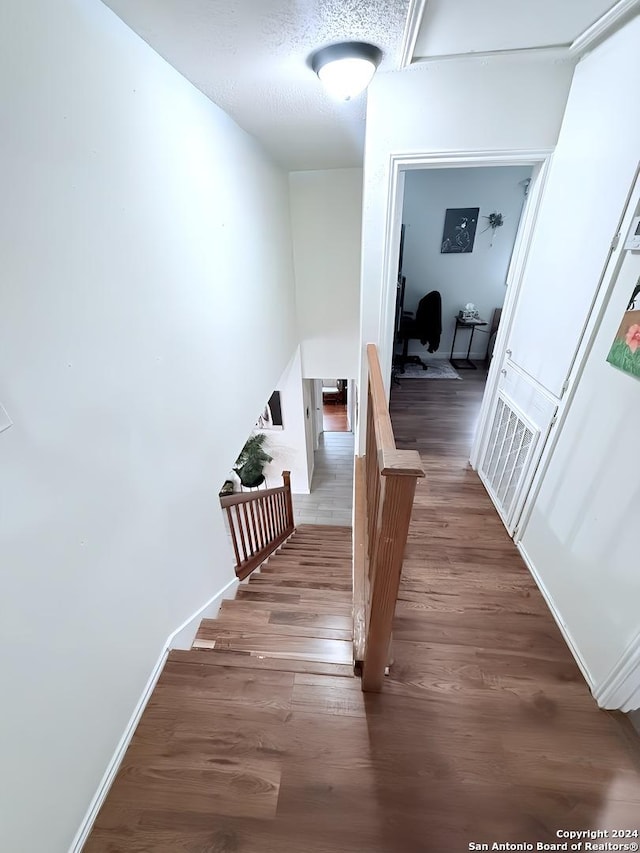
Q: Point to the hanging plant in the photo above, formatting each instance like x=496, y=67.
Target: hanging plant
x=494, y=220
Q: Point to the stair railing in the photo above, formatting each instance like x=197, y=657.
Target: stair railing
x=385, y=488
x=259, y=522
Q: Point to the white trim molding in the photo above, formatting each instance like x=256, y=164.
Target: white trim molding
x=573, y=648
x=402, y=162
x=555, y=52
x=620, y=691
x=411, y=29
x=604, y=26
x=175, y=640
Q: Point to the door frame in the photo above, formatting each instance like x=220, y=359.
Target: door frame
x=400, y=164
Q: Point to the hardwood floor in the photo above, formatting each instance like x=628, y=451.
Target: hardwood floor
x=334, y=418
x=485, y=732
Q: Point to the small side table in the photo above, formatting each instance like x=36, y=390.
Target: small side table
x=465, y=363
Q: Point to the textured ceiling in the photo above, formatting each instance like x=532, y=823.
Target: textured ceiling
x=251, y=58
x=477, y=26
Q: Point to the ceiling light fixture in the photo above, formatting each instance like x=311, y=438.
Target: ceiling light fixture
x=346, y=69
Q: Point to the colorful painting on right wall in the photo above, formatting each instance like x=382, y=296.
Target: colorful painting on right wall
x=625, y=350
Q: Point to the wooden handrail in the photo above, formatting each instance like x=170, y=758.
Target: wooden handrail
x=381, y=418
x=248, y=497
x=259, y=522
x=385, y=487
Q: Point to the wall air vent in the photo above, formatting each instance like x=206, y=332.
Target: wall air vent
x=506, y=461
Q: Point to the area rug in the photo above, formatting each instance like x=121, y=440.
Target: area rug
x=437, y=369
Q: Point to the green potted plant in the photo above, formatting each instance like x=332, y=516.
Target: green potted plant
x=251, y=461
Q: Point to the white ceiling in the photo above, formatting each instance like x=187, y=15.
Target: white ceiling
x=483, y=26
x=251, y=58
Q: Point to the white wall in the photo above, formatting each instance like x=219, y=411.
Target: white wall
x=326, y=212
x=288, y=446
x=592, y=169
x=582, y=533
x=145, y=248
x=479, y=276
x=504, y=103
x=582, y=537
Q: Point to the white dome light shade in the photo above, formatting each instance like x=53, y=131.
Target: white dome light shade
x=346, y=69
x=346, y=78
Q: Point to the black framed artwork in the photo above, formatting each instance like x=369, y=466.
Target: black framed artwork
x=271, y=417
x=459, y=232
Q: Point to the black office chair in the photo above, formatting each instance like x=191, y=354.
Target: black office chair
x=425, y=327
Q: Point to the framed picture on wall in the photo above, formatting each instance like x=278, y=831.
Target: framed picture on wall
x=271, y=416
x=625, y=349
x=459, y=232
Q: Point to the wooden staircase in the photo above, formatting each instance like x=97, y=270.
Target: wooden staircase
x=294, y=615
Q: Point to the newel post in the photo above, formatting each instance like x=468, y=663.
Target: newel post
x=286, y=477
x=400, y=470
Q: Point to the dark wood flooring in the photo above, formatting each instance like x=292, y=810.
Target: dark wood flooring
x=334, y=418
x=486, y=730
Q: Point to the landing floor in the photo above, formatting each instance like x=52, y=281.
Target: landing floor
x=485, y=732
x=331, y=498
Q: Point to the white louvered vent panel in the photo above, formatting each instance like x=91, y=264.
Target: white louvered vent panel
x=507, y=457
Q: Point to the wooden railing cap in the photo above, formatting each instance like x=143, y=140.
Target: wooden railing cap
x=400, y=463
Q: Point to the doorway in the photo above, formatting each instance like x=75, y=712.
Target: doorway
x=401, y=166
x=459, y=228
x=335, y=396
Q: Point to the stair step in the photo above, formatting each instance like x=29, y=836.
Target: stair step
x=294, y=545
x=280, y=646
x=300, y=594
x=338, y=608
x=305, y=571
x=302, y=583
x=228, y=624
x=320, y=539
x=224, y=657
x=280, y=571
x=267, y=586
x=276, y=615
x=310, y=560
x=290, y=559
x=312, y=557
x=328, y=529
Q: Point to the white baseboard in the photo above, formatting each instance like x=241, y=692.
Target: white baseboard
x=558, y=619
x=620, y=690
x=181, y=638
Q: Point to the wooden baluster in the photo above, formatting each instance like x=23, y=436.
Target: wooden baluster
x=276, y=516
x=234, y=536
x=242, y=539
x=261, y=517
x=286, y=476
x=258, y=523
x=254, y=527
x=280, y=513
x=247, y=526
x=272, y=534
